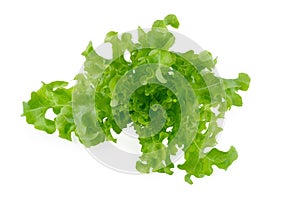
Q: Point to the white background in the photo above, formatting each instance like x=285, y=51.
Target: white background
x=42, y=41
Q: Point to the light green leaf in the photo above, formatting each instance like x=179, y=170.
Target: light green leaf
x=65, y=123
x=50, y=96
x=232, y=86
x=202, y=166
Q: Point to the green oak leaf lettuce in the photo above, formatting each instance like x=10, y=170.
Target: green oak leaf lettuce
x=177, y=106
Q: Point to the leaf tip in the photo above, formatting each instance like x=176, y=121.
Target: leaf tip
x=88, y=49
x=188, y=179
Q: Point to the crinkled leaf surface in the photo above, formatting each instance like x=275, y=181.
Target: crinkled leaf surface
x=51, y=96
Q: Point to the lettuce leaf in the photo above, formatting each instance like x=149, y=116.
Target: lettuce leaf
x=174, y=101
x=51, y=96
